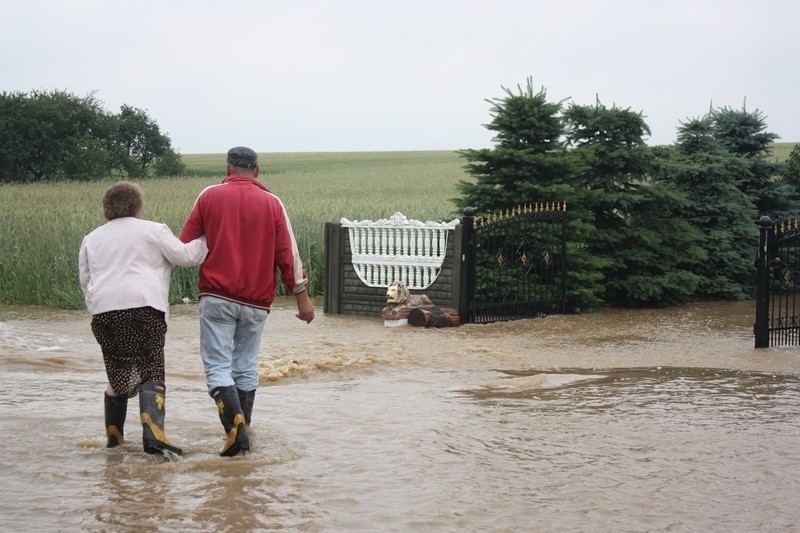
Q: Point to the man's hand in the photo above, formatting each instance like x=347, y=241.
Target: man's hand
x=305, y=308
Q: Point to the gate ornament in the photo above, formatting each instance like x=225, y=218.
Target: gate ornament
x=788, y=277
x=538, y=207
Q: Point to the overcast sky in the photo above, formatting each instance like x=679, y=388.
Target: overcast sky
x=359, y=75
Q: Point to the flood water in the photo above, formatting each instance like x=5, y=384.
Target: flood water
x=649, y=420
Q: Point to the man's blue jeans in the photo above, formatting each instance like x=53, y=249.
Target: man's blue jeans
x=230, y=339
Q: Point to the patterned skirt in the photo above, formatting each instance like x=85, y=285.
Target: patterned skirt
x=132, y=342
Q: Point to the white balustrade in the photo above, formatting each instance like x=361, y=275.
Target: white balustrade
x=398, y=249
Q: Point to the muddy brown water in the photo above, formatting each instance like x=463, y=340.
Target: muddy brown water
x=647, y=420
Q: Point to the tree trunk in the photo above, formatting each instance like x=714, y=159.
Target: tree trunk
x=437, y=317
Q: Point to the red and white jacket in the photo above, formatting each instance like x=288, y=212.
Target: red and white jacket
x=249, y=236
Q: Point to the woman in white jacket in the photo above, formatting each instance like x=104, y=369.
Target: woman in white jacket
x=125, y=268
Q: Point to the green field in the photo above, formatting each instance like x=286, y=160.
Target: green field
x=781, y=151
x=42, y=225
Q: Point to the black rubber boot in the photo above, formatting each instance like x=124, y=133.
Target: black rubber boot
x=151, y=406
x=246, y=400
x=232, y=418
x=116, y=408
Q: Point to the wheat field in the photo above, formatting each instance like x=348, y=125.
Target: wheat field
x=42, y=225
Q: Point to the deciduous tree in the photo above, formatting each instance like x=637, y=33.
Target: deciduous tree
x=56, y=135
x=51, y=136
x=139, y=141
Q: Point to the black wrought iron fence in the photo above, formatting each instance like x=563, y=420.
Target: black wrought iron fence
x=777, y=269
x=515, y=263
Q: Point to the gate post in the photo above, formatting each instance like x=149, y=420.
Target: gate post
x=467, y=278
x=761, y=328
x=333, y=268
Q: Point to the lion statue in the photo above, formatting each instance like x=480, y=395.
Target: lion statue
x=400, y=302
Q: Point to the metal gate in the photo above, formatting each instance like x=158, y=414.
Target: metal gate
x=514, y=263
x=777, y=269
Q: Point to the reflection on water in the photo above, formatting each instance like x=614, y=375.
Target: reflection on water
x=650, y=420
x=674, y=445
x=695, y=389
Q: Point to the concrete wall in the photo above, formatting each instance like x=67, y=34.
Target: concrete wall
x=346, y=294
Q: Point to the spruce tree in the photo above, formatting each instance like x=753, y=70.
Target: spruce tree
x=530, y=164
x=743, y=134
x=648, y=251
x=708, y=174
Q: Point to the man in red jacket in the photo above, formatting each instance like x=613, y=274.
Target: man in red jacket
x=249, y=236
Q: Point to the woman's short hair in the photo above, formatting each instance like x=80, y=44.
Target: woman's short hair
x=123, y=199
